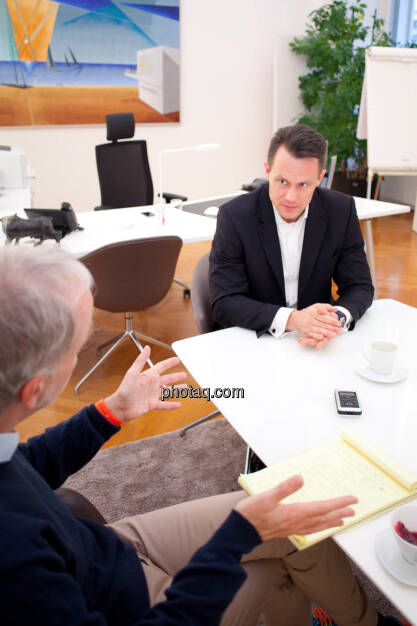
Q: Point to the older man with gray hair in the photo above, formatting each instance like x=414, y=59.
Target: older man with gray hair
x=180, y=565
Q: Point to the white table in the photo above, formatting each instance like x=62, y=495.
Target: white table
x=367, y=210
x=289, y=405
x=112, y=225
x=109, y=226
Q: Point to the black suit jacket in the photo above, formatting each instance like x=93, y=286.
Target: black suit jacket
x=246, y=275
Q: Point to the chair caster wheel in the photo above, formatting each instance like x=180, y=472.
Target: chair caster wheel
x=187, y=294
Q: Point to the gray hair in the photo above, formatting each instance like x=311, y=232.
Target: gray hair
x=39, y=288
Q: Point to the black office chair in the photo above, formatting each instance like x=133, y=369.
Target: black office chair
x=124, y=173
x=123, y=167
x=200, y=300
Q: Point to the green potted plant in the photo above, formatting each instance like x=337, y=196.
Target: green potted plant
x=335, y=46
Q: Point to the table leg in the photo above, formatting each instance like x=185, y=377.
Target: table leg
x=369, y=241
x=414, y=227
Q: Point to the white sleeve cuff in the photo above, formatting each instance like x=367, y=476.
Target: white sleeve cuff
x=347, y=314
x=279, y=323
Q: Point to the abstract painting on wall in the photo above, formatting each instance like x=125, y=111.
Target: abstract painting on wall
x=74, y=61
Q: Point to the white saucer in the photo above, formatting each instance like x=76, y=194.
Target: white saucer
x=390, y=557
x=399, y=373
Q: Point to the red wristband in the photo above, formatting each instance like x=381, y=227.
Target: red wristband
x=102, y=408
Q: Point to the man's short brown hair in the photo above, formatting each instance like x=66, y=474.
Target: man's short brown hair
x=301, y=141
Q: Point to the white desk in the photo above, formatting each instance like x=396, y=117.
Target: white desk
x=109, y=226
x=289, y=405
x=367, y=210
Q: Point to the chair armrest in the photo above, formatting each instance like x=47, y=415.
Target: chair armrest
x=257, y=182
x=79, y=505
x=173, y=196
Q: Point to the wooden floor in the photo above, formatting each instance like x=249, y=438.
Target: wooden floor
x=172, y=319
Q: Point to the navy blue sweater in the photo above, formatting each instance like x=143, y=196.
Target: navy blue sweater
x=59, y=569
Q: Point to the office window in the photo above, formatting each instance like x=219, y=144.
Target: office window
x=413, y=31
x=403, y=21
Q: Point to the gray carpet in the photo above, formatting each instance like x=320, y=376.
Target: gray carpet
x=152, y=473
x=160, y=471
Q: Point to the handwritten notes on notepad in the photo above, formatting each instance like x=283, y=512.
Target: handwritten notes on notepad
x=351, y=466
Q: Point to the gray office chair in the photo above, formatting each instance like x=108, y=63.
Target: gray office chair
x=131, y=276
x=327, y=181
x=200, y=300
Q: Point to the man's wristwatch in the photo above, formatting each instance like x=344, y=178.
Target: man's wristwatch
x=342, y=318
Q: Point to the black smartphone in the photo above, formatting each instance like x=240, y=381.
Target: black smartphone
x=347, y=402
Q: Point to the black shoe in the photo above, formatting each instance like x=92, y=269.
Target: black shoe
x=255, y=463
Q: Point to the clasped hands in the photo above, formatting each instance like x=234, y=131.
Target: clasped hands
x=316, y=324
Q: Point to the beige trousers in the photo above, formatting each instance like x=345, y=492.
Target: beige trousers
x=281, y=580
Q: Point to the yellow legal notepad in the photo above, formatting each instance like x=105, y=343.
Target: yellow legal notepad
x=351, y=466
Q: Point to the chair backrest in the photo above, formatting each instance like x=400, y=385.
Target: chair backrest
x=124, y=174
x=133, y=275
x=200, y=296
x=332, y=169
x=120, y=126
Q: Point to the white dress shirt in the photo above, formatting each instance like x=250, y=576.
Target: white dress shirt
x=8, y=445
x=291, y=238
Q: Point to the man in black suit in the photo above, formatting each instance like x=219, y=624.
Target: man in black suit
x=277, y=249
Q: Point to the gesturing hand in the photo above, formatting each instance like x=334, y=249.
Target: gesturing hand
x=273, y=519
x=140, y=392
x=316, y=324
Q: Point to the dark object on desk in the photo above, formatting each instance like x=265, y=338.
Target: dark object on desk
x=347, y=402
x=64, y=219
x=5, y=148
x=131, y=276
x=123, y=167
x=40, y=228
x=257, y=182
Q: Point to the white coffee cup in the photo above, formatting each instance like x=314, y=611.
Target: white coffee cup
x=407, y=514
x=381, y=356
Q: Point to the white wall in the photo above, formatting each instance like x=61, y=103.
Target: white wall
x=226, y=97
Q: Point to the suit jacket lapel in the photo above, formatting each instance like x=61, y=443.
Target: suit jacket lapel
x=313, y=237
x=267, y=231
